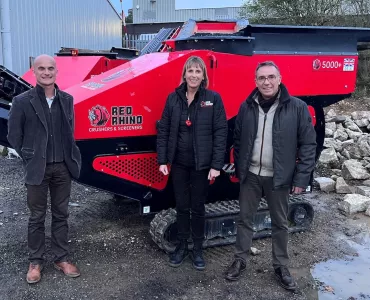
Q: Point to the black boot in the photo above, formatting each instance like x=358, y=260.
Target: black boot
x=181, y=252
x=234, y=271
x=285, y=279
x=198, y=261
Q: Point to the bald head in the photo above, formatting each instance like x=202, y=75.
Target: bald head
x=43, y=58
x=44, y=67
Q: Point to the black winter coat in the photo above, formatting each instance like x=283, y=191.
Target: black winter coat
x=293, y=136
x=28, y=134
x=209, y=129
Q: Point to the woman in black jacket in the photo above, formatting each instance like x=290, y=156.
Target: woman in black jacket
x=191, y=139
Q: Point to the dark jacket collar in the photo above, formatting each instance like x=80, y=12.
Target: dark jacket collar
x=284, y=95
x=35, y=98
x=182, y=89
x=41, y=92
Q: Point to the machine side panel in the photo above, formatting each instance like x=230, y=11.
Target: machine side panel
x=128, y=100
x=141, y=168
x=73, y=70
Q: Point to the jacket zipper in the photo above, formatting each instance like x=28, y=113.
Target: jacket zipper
x=193, y=137
x=263, y=138
x=255, y=112
x=191, y=133
x=276, y=116
x=52, y=132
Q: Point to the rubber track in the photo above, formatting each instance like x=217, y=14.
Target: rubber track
x=165, y=218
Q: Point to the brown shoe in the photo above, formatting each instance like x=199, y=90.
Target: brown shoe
x=34, y=273
x=67, y=268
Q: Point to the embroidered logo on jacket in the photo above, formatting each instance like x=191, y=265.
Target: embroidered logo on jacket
x=206, y=103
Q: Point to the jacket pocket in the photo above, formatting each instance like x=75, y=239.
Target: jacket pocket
x=75, y=154
x=27, y=153
x=70, y=120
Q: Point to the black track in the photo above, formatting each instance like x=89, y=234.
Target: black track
x=221, y=218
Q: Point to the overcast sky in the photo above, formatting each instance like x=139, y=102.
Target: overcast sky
x=127, y=4
x=184, y=4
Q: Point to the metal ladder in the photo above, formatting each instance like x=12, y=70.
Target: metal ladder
x=155, y=44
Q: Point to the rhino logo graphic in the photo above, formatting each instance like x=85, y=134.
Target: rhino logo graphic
x=98, y=115
x=316, y=64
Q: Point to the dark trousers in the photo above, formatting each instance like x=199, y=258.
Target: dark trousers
x=190, y=188
x=57, y=178
x=250, y=195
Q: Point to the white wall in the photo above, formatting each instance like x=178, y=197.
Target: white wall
x=196, y=4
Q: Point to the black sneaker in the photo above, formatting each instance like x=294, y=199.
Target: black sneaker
x=198, y=261
x=178, y=257
x=234, y=271
x=285, y=279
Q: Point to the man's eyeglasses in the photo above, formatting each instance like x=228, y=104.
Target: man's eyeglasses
x=270, y=78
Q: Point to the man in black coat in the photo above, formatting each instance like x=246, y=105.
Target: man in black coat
x=40, y=129
x=272, y=130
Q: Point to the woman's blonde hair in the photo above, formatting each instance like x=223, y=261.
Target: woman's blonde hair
x=195, y=61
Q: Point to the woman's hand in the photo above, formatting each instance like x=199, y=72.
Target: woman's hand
x=213, y=174
x=163, y=169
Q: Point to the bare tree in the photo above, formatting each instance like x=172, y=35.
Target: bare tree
x=319, y=13
x=297, y=12
x=360, y=9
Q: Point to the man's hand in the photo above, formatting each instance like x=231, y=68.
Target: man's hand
x=213, y=174
x=163, y=169
x=297, y=190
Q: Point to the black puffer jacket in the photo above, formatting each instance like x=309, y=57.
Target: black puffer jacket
x=209, y=129
x=185, y=150
x=293, y=135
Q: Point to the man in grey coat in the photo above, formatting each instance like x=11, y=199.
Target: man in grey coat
x=40, y=129
x=274, y=153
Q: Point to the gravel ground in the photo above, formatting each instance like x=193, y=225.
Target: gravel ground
x=111, y=245
x=349, y=105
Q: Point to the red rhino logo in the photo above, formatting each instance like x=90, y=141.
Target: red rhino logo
x=98, y=115
x=316, y=64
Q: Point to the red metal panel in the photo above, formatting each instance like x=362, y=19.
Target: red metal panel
x=217, y=27
x=138, y=168
x=132, y=96
x=311, y=109
x=113, y=63
x=71, y=70
x=234, y=76
x=76, y=69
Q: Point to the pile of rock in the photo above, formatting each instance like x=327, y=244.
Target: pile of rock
x=346, y=158
x=346, y=137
